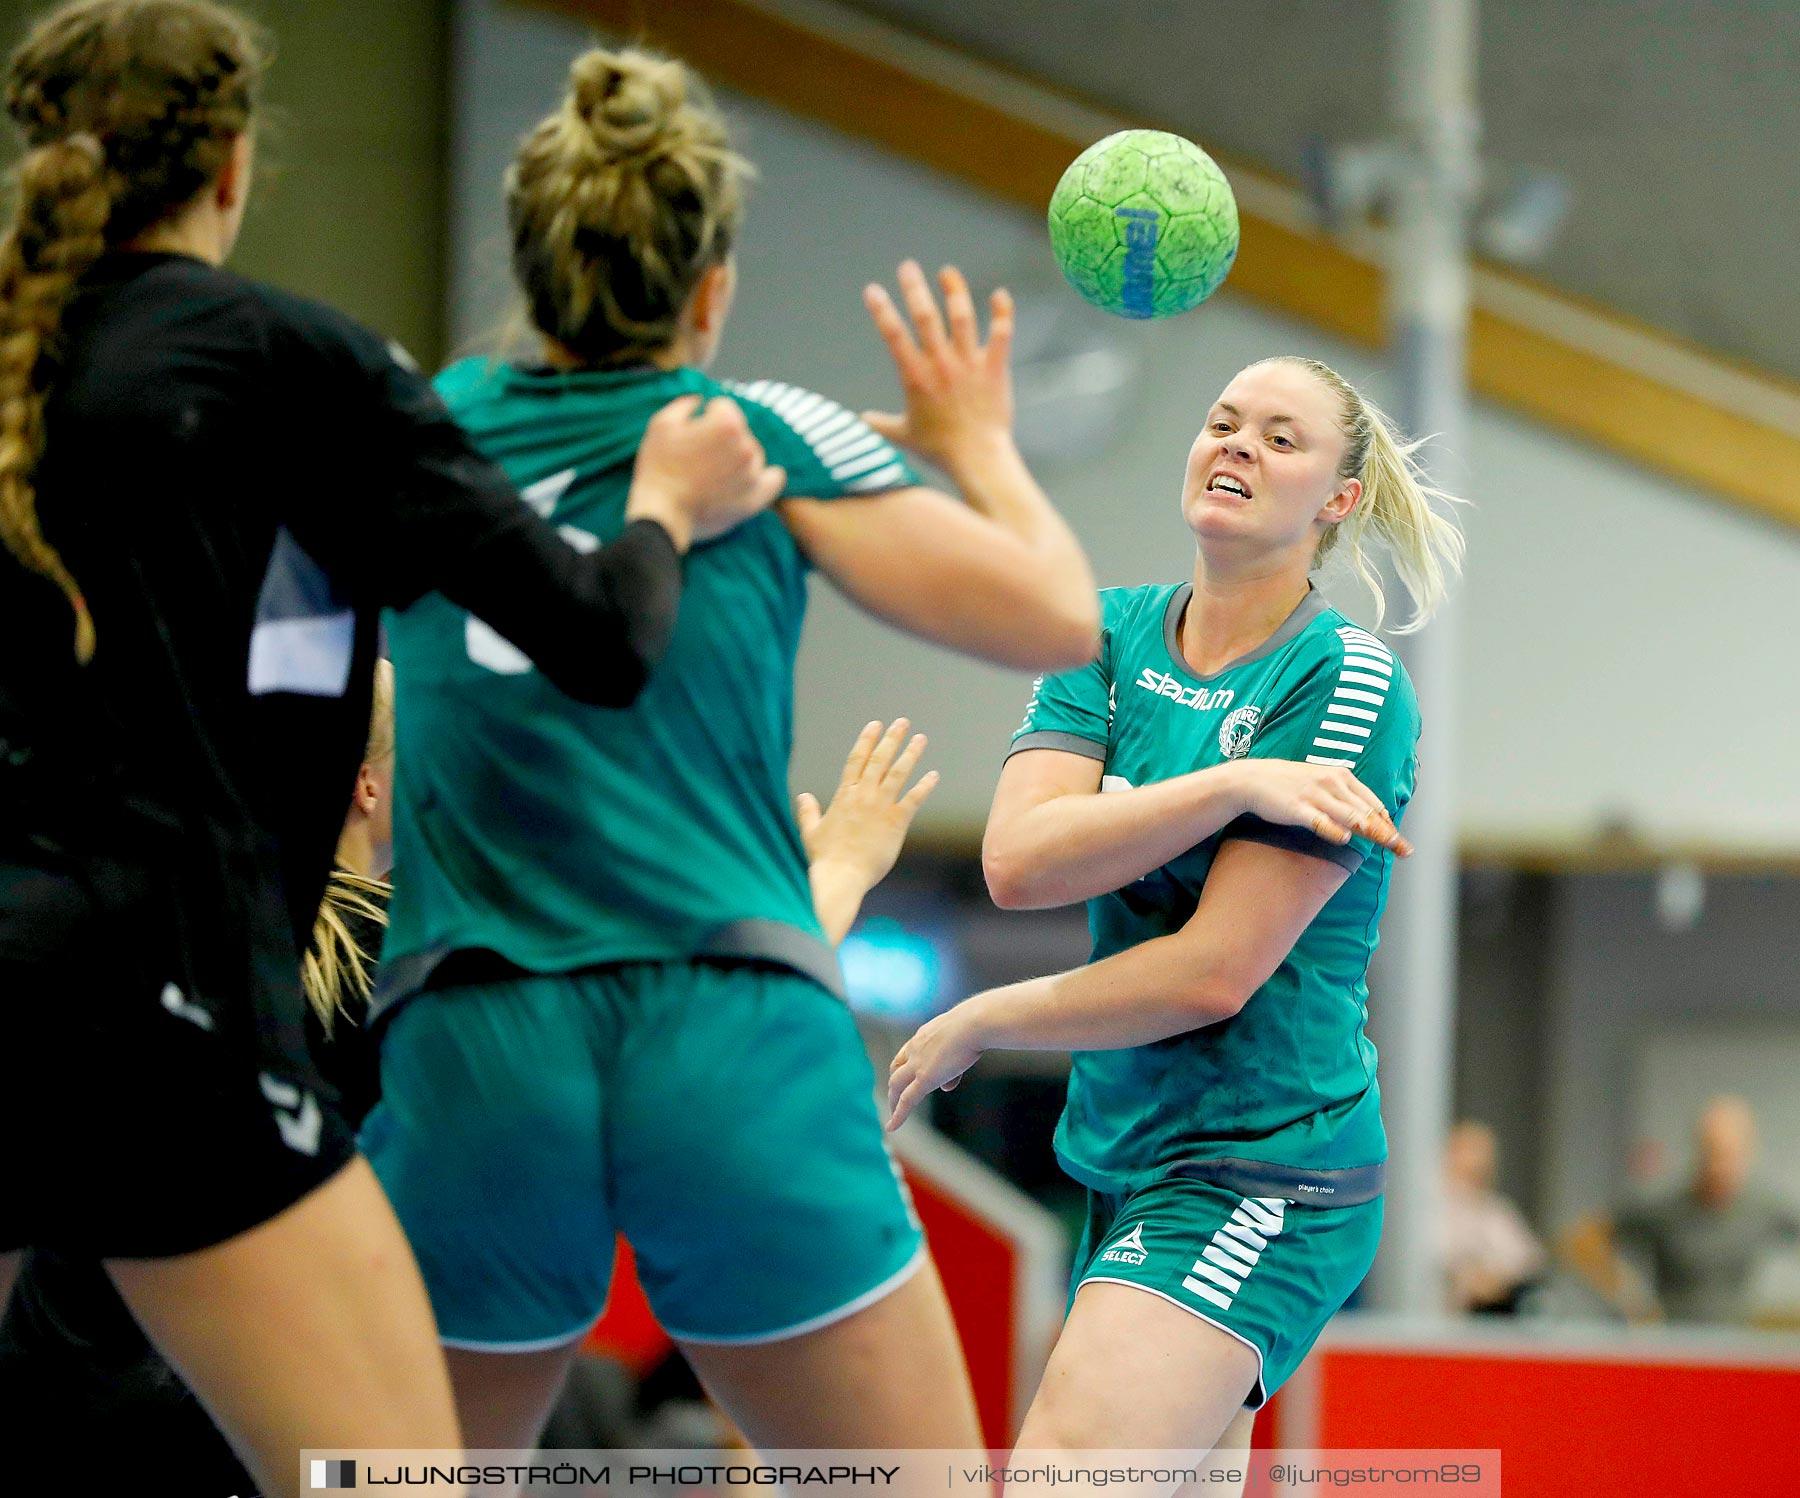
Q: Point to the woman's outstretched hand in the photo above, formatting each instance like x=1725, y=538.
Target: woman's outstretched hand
x=852, y=844
x=958, y=389
x=866, y=824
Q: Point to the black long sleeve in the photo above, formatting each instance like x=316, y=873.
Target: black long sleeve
x=241, y=480
x=597, y=624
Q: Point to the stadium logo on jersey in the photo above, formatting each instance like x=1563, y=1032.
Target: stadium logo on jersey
x=1197, y=698
x=1128, y=1250
x=1236, y=732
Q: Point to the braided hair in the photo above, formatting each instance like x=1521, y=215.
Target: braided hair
x=128, y=109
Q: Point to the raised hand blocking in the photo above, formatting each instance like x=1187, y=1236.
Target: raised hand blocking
x=958, y=390
x=866, y=824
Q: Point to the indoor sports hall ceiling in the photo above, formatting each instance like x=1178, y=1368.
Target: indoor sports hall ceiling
x=1675, y=124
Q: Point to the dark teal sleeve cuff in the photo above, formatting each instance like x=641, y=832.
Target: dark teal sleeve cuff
x=1346, y=856
x=1069, y=743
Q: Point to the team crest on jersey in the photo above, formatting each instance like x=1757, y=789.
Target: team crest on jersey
x=1236, y=732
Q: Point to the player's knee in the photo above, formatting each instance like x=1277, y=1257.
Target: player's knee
x=1060, y=1426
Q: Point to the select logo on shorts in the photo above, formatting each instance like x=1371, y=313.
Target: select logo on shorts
x=1237, y=730
x=1225, y=1263
x=333, y=1474
x=1128, y=1250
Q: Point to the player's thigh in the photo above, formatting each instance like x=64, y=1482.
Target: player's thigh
x=309, y=1330
x=889, y=1375
x=1227, y=1473
x=1131, y=1370
x=504, y=1399
x=1262, y=1272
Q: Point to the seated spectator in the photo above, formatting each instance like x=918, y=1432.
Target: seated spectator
x=1700, y=1247
x=1489, y=1256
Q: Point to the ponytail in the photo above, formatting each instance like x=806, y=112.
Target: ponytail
x=1398, y=505
x=335, y=970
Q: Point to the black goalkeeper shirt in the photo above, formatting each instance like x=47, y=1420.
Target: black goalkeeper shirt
x=240, y=480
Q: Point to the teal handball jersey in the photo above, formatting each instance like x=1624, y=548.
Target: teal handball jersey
x=558, y=836
x=1290, y=1079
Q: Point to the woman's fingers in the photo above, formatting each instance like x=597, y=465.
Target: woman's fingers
x=770, y=484
x=808, y=814
x=916, y=797
x=902, y=1106
x=1000, y=329
x=1324, y=825
x=881, y=757
x=893, y=330
x=1339, y=819
x=858, y=759
x=886, y=424
x=903, y=766
x=959, y=310
x=922, y=307
x=1377, y=826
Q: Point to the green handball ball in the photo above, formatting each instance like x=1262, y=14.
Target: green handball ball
x=1144, y=224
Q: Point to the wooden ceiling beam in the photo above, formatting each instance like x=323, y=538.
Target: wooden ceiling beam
x=1728, y=432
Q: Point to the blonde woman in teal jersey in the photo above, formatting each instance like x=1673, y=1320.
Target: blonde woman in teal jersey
x=606, y=937
x=1221, y=785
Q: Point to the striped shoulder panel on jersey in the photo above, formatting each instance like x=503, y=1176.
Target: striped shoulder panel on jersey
x=850, y=450
x=1363, y=681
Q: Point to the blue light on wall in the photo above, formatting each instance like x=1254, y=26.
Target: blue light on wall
x=897, y=971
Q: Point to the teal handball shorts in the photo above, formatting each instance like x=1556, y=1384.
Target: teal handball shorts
x=1267, y=1271
x=720, y=1116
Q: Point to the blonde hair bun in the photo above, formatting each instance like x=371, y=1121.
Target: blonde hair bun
x=619, y=200
x=630, y=100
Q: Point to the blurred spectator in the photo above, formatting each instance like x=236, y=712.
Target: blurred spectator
x=1700, y=1246
x=1489, y=1256
x=1646, y=1164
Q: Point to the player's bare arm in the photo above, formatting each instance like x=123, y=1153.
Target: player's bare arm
x=1000, y=577
x=1256, y=903
x=1052, y=838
